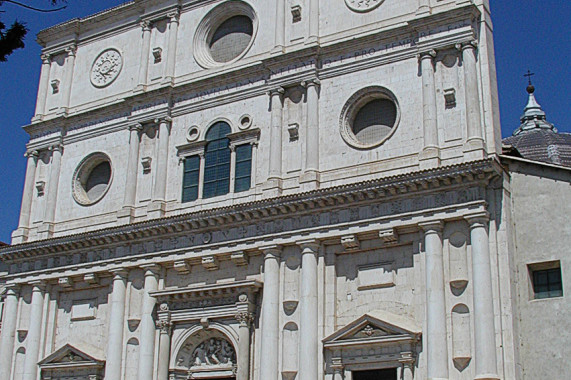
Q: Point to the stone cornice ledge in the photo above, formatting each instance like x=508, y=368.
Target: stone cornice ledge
x=338, y=196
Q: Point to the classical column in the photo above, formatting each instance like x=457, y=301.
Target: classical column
x=165, y=327
x=308, y=326
x=159, y=196
x=430, y=155
x=68, y=79
x=475, y=139
x=43, y=87
x=34, y=332
x=144, y=62
x=436, y=338
x=147, y=337
x=313, y=21
x=113, y=363
x=407, y=361
x=8, y=332
x=280, y=27
x=28, y=194
x=312, y=136
x=276, y=96
x=484, y=330
x=270, y=314
x=129, y=201
x=245, y=319
x=51, y=204
x=171, y=53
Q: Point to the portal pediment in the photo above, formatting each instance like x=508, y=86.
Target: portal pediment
x=68, y=357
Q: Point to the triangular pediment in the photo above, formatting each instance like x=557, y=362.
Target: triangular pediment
x=69, y=355
x=377, y=326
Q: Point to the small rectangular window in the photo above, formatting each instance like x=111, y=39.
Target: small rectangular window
x=546, y=280
x=243, y=168
x=190, y=179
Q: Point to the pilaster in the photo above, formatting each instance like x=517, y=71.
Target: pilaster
x=270, y=313
x=430, y=155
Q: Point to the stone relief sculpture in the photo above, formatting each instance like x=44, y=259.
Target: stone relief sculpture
x=213, y=352
x=363, y=5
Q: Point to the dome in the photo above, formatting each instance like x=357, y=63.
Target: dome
x=538, y=140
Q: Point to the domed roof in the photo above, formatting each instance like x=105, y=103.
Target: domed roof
x=538, y=140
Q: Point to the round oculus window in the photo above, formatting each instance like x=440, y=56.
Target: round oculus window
x=92, y=179
x=225, y=34
x=369, y=118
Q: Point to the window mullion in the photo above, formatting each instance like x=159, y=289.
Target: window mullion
x=232, y=168
x=201, y=175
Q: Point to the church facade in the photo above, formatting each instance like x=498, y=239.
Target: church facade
x=289, y=189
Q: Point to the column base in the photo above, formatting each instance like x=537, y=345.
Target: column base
x=474, y=149
x=272, y=187
x=46, y=230
x=20, y=235
x=156, y=209
x=277, y=50
x=429, y=158
x=310, y=180
x=126, y=215
x=62, y=111
x=423, y=10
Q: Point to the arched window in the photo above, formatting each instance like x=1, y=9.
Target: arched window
x=217, y=161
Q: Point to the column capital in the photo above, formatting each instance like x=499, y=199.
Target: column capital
x=136, y=127
x=119, y=273
x=31, y=153
x=38, y=285
x=165, y=325
x=46, y=59
x=174, y=16
x=56, y=147
x=279, y=91
x=164, y=119
x=244, y=318
x=432, y=226
x=472, y=45
x=146, y=25
x=71, y=50
x=151, y=269
x=309, y=244
x=428, y=54
x=315, y=82
x=271, y=251
x=478, y=219
x=12, y=289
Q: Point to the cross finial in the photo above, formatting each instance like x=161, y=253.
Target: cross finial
x=529, y=75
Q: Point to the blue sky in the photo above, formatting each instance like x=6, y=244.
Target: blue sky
x=528, y=34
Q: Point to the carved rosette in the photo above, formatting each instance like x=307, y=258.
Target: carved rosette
x=363, y=5
x=106, y=68
x=244, y=318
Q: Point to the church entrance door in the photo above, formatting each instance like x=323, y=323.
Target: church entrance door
x=379, y=374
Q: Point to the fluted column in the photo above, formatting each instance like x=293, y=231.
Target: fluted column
x=130, y=198
x=245, y=319
x=171, y=53
x=34, y=332
x=28, y=194
x=280, y=27
x=46, y=229
x=436, y=337
x=270, y=314
x=43, y=87
x=9, y=323
x=159, y=196
x=144, y=60
x=484, y=330
x=276, y=96
x=311, y=173
x=475, y=140
x=147, y=347
x=430, y=155
x=68, y=80
x=313, y=21
x=309, y=344
x=165, y=327
x=113, y=363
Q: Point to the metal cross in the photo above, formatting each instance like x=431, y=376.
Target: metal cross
x=529, y=75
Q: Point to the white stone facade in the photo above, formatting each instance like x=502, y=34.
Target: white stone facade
x=340, y=257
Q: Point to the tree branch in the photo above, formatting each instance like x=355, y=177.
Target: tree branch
x=33, y=8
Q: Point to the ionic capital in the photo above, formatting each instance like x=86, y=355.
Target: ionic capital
x=471, y=45
x=431, y=227
x=119, y=273
x=38, y=285
x=429, y=54
x=277, y=91
x=151, y=269
x=71, y=50
x=174, y=16
x=136, y=127
x=271, y=251
x=146, y=25
x=46, y=59
x=31, y=153
x=311, y=83
x=478, y=219
x=56, y=147
x=309, y=246
x=164, y=120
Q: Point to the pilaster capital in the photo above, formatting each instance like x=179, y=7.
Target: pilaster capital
x=271, y=251
x=174, y=16
x=38, y=285
x=244, y=318
x=151, y=269
x=407, y=359
x=164, y=120
x=309, y=245
x=315, y=82
x=146, y=25
x=12, y=290
x=71, y=50
x=431, y=226
x=119, y=273
x=138, y=127
x=57, y=147
x=478, y=219
x=470, y=45
x=164, y=325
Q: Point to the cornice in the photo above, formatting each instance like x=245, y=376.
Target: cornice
x=383, y=189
